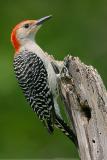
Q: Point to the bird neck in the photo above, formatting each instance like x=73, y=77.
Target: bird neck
x=31, y=46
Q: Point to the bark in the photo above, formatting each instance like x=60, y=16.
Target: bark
x=85, y=98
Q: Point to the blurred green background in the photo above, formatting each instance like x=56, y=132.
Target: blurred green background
x=78, y=28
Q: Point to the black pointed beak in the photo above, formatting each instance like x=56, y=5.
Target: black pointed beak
x=42, y=20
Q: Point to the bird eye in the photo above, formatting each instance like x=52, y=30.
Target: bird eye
x=26, y=25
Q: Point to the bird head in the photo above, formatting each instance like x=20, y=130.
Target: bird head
x=25, y=31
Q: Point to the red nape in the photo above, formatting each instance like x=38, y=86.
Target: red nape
x=15, y=41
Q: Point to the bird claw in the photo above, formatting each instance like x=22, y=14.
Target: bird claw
x=64, y=72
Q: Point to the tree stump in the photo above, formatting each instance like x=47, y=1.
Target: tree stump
x=85, y=98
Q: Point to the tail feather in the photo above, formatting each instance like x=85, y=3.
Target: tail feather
x=66, y=129
x=49, y=126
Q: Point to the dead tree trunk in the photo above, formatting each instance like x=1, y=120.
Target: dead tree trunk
x=85, y=98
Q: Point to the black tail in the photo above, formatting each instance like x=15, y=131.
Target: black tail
x=49, y=126
x=66, y=129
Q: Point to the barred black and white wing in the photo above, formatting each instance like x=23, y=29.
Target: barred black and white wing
x=33, y=79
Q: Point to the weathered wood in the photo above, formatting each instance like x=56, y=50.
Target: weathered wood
x=85, y=98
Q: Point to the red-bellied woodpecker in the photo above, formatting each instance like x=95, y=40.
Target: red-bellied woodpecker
x=36, y=75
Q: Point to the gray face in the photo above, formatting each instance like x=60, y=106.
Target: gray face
x=27, y=31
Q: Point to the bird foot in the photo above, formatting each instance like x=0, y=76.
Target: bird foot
x=64, y=72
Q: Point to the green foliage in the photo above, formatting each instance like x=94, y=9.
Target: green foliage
x=78, y=28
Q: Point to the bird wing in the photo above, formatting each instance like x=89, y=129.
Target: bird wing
x=33, y=79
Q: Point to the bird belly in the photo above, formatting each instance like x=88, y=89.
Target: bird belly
x=52, y=78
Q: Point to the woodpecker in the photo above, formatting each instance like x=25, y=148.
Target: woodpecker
x=36, y=76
